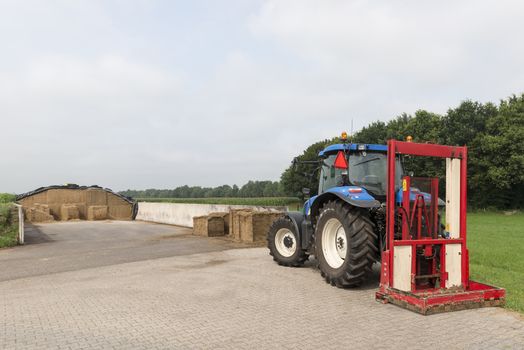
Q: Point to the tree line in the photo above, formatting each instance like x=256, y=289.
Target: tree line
x=250, y=189
x=493, y=133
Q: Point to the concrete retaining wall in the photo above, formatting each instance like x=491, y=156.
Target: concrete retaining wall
x=182, y=214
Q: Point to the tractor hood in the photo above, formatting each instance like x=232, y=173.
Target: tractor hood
x=413, y=193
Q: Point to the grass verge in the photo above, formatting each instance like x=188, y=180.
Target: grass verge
x=496, y=250
x=8, y=230
x=7, y=198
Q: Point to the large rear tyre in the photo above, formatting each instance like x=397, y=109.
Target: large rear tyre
x=284, y=244
x=346, y=244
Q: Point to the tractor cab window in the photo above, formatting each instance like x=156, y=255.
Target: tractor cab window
x=368, y=169
x=329, y=175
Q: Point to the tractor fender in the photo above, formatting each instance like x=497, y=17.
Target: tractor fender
x=362, y=200
x=296, y=218
x=303, y=228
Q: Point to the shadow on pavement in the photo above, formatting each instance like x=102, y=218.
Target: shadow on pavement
x=33, y=235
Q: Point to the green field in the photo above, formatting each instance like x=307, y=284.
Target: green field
x=291, y=202
x=496, y=250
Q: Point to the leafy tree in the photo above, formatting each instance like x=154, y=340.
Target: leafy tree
x=375, y=132
x=251, y=189
x=463, y=125
x=501, y=156
x=7, y=197
x=234, y=191
x=298, y=176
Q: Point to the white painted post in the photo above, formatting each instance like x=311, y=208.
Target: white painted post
x=453, y=197
x=453, y=251
x=21, y=228
x=453, y=265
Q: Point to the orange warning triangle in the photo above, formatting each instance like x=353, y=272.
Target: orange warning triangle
x=340, y=161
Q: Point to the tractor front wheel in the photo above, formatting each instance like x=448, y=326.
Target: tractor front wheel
x=284, y=245
x=346, y=244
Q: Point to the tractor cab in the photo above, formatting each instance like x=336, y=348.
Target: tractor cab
x=355, y=173
x=362, y=165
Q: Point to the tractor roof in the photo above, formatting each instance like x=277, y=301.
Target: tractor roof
x=353, y=147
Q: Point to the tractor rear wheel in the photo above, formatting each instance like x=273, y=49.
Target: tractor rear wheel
x=284, y=244
x=346, y=244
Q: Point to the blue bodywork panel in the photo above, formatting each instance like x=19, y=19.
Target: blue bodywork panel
x=307, y=204
x=353, y=147
x=413, y=195
x=359, y=199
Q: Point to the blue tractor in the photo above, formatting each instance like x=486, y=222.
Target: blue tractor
x=344, y=225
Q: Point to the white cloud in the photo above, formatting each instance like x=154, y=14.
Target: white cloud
x=105, y=76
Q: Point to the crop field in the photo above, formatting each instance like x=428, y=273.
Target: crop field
x=291, y=202
x=496, y=249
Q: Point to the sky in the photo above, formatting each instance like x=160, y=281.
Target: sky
x=135, y=94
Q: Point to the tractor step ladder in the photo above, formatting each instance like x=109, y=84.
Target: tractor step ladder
x=422, y=270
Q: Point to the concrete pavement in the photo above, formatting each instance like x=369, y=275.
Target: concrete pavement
x=219, y=299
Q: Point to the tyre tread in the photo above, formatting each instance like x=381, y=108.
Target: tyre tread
x=363, y=244
x=300, y=257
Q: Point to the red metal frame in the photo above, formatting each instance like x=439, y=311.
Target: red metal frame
x=437, y=298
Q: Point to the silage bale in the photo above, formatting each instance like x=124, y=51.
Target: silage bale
x=215, y=226
x=32, y=214
x=200, y=225
x=41, y=216
x=245, y=226
x=120, y=212
x=235, y=222
x=95, y=197
x=211, y=225
x=69, y=212
x=224, y=221
x=97, y=212
x=42, y=207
